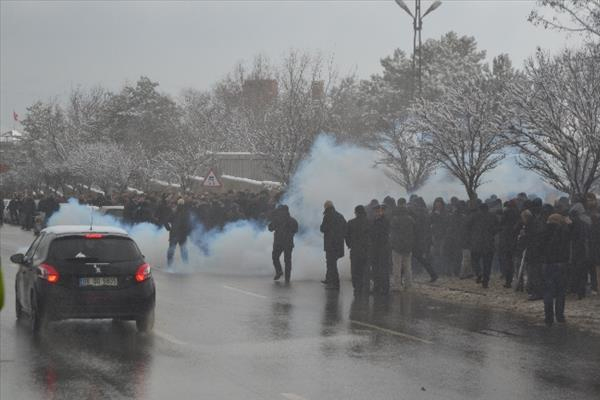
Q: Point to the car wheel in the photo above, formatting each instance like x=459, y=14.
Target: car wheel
x=18, y=306
x=38, y=317
x=145, y=322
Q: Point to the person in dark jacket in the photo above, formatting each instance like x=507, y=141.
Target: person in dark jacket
x=530, y=242
x=163, y=212
x=594, y=212
x=27, y=211
x=333, y=228
x=422, y=243
x=402, y=237
x=509, y=230
x=285, y=227
x=438, y=221
x=380, y=252
x=582, y=248
x=179, y=228
x=14, y=206
x=555, y=249
x=357, y=240
x=482, y=227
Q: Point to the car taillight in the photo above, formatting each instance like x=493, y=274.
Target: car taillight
x=143, y=272
x=48, y=273
x=94, y=236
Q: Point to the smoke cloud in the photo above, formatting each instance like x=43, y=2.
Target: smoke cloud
x=343, y=173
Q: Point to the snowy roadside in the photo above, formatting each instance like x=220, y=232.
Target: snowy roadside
x=584, y=314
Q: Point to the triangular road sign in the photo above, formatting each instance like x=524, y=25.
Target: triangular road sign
x=211, y=180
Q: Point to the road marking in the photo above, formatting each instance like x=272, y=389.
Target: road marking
x=292, y=396
x=391, y=332
x=260, y=296
x=169, y=338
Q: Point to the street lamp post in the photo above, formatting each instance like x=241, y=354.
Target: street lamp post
x=417, y=27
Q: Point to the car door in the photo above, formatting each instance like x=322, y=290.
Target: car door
x=28, y=273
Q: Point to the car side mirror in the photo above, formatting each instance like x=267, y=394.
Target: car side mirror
x=17, y=258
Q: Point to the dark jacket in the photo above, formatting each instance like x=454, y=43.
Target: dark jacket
x=334, y=231
x=285, y=227
x=555, y=243
x=179, y=225
x=380, y=243
x=402, y=231
x=530, y=238
x=509, y=229
x=357, y=235
x=422, y=241
x=482, y=226
x=582, y=229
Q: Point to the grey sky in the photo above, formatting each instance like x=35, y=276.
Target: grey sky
x=49, y=47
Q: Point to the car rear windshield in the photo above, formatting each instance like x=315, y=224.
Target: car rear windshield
x=81, y=249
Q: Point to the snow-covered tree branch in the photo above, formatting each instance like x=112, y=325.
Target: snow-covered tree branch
x=557, y=121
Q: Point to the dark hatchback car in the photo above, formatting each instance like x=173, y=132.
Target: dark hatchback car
x=75, y=272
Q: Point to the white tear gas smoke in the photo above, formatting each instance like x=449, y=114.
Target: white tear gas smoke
x=343, y=173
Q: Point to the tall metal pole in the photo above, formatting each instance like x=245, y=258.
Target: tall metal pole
x=418, y=26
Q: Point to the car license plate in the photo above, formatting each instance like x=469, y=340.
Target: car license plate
x=99, y=281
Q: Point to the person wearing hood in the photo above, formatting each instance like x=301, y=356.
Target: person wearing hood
x=357, y=240
x=555, y=246
x=370, y=209
x=333, y=228
x=582, y=249
x=179, y=228
x=284, y=227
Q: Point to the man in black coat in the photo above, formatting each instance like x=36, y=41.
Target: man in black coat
x=28, y=209
x=555, y=249
x=334, y=231
x=381, y=252
x=285, y=227
x=509, y=231
x=179, y=228
x=482, y=226
x=357, y=240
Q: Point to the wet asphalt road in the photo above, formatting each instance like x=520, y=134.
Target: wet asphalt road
x=227, y=337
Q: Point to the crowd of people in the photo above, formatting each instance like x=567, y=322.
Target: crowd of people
x=554, y=249
x=546, y=249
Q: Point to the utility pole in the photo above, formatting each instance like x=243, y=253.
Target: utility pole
x=417, y=28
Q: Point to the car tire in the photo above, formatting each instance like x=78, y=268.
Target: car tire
x=145, y=322
x=38, y=317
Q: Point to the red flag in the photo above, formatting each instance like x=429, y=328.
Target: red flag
x=15, y=116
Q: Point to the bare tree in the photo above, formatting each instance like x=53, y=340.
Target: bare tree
x=408, y=160
x=557, y=125
x=188, y=157
x=464, y=128
x=106, y=165
x=86, y=113
x=583, y=16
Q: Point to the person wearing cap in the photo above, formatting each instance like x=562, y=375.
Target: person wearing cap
x=284, y=228
x=357, y=240
x=179, y=228
x=333, y=228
